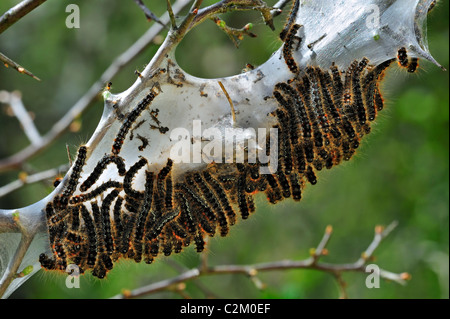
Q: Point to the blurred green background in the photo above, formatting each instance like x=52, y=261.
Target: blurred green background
x=400, y=172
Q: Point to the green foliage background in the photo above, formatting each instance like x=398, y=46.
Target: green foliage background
x=400, y=172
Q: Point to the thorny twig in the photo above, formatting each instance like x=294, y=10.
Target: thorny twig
x=313, y=262
x=30, y=229
x=148, y=14
x=195, y=17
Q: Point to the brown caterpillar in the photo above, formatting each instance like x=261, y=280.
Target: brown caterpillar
x=411, y=64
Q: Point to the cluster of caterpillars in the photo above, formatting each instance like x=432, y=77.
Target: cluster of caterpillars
x=321, y=117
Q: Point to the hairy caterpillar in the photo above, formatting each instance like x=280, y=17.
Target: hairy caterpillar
x=319, y=126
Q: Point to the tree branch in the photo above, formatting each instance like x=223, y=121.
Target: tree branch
x=148, y=14
x=8, y=19
x=252, y=270
x=278, y=7
x=236, y=5
x=12, y=269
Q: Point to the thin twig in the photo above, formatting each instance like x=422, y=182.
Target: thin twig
x=185, y=26
x=320, y=250
x=14, y=99
x=204, y=257
x=235, y=5
x=68, y=154
x=233, y=113
x=148, y=14
x=162, y=285
x=171, y=15
x=8, y=62
x=380, y=234
x=18, y=12
x=38, y=177
x=342, y=285
x=252, y=270
x=181, y=268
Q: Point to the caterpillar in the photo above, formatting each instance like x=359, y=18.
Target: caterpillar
x=410, y=64
x=321, y=116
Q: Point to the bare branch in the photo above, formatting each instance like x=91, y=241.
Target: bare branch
x=8, y=62
x=18, y=12
x=162, y=285
x=233, y=113
x=278, y=7
x=185, y=25
x=29, y=179
x=252, y=270
x=14, y=99
x=321, y=248
x=12, y=269
x=28, y=226
x=236, y=5
x=342, y=286
x=234, y=33
x=148, y=14
x=380, y=234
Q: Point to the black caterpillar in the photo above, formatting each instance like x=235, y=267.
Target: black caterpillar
x=321, y=117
